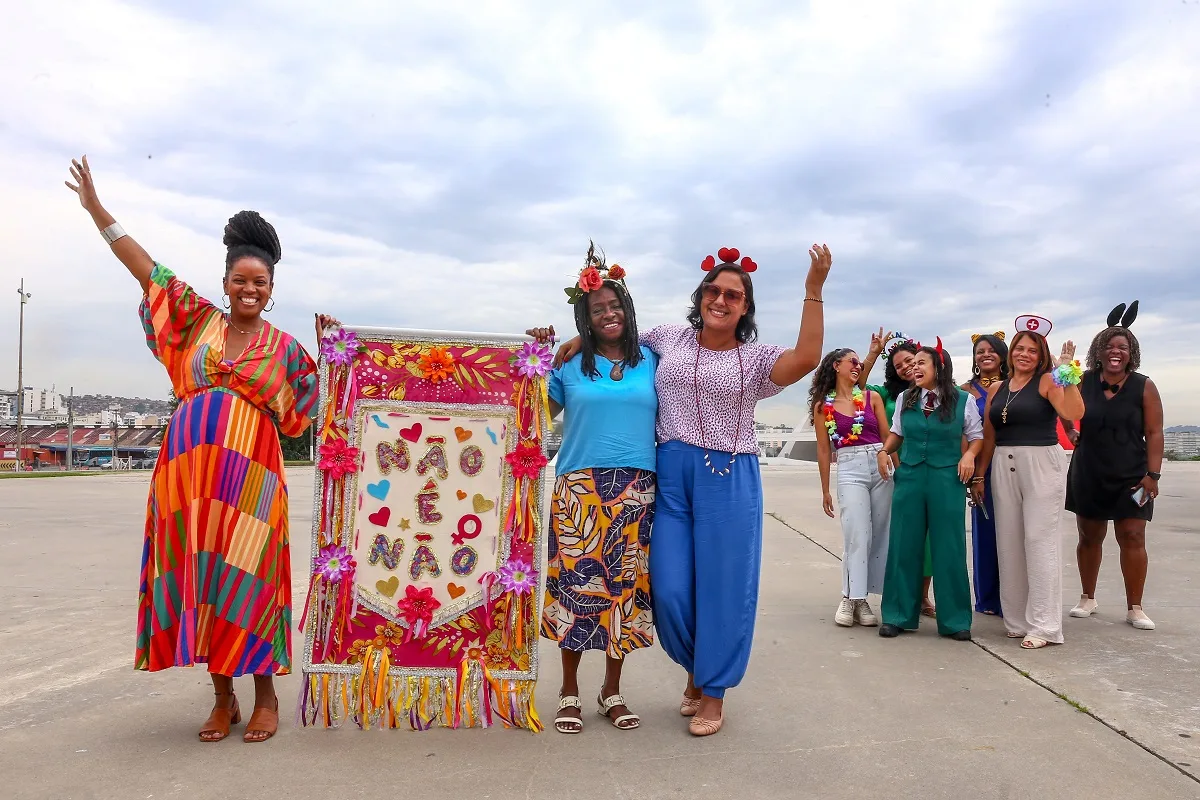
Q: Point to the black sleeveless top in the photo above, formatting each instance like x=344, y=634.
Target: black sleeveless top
x=1030, y=422
x=1110, y=457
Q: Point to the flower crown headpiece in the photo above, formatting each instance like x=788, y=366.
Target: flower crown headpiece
x=593, y=275
x=728, y=255
x=975, y=337
x=898, y=340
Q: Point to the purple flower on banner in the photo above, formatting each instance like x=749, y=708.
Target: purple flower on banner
x=334, y=563
x=533, y=360
x=340, y=347
x=518, y=576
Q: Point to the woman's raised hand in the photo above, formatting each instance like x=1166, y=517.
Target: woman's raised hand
x=879, y=340
x=1068, y=353
x=83, y=185
x=543, y=335
x=818, y=271
x=324, y=323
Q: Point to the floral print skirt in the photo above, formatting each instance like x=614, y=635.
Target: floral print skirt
x=597, y=573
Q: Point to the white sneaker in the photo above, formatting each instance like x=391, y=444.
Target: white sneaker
x=845, y=613
x=863, y=614
x=1138, y=619
x=1085, y=607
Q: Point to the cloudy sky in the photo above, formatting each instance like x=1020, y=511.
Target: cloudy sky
x=443, y=164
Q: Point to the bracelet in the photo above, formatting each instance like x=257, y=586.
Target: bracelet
x=1154, y=476
x=1068, y=374
x=813, y=300
x=976, y=480
x=112, y=233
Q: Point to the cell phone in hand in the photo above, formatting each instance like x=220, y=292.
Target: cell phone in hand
x=1140, y=497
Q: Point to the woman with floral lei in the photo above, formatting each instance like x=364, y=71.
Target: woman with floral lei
x=1115, y=469
x=708, y=529
x=1021, y=435
x=597, y=580
x=932, y=420
x=847, y=421
x=989, y=366
x=897, y=376
x=241, y=383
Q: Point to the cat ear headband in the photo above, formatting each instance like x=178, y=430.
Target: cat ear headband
x=728, y=255
x=1034, y=324
x=975, y=337
x=1121, y=317
x=593, y=275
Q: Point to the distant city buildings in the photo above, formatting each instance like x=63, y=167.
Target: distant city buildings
x=1183, y=441
x=41, y=407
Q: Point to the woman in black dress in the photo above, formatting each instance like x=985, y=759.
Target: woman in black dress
x=1119, y=452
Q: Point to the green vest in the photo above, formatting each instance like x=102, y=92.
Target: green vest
x=931, y=439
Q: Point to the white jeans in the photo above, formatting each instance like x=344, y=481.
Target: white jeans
x=865, y=500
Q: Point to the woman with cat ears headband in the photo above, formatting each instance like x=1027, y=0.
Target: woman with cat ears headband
x=1115, y=469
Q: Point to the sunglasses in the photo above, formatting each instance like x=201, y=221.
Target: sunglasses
x=712, y=292
x=854, y=362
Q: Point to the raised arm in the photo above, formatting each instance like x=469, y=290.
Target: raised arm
x=546, y=336
x=878, y=340
x=131, y=254
x=1067, y=400
x=794, y=364
x=824, y=457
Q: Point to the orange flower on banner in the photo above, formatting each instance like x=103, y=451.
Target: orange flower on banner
x=527, y=460
x=590, y=279
x=436, y=365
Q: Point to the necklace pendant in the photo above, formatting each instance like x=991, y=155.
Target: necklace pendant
x=1004, y=416
x=616, y=373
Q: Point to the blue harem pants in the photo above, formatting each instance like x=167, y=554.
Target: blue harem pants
x=705, y=562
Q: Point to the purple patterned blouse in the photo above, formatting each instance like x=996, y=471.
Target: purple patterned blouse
x=716, y=380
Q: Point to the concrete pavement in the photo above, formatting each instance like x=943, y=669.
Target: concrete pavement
x=824, y=712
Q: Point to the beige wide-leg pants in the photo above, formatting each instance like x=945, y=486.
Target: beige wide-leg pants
x=1029, y=485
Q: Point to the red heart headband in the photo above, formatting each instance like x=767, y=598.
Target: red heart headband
x=728, y=255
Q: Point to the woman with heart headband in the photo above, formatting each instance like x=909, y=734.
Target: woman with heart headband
x=597, y=572
x=897, y=376
x=705, y=561
x=1118, y=455
x=1028, y=484
x=216, y=575
x=848, y=422
x=933, y=419
x=989, y=366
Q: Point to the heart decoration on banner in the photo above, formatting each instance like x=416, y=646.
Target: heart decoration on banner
x=481, y=504
x=461, y=494
x=462, y=434
x=388, y=588
x=380, y=517
x=379, y=490
x=412, y=434
x=455, y=590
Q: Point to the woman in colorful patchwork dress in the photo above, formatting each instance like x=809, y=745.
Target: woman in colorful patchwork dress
x=597, y=572
x=932, y=419
x=847, y=422
x=1030, y=480
x=897, y=376
x=216, y=577
x=990, y=357
x=705, y=562
x=1115, y=470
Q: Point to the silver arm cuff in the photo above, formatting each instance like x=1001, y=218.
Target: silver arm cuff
x=112, y=233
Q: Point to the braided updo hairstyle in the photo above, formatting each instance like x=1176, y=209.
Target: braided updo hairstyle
x=247, y=234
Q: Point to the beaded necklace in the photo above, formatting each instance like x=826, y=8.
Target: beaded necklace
x=856, y=425
x=700, y=418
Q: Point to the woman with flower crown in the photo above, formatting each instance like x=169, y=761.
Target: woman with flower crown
x=847, y=421
x=708, y=526
x=597, y=575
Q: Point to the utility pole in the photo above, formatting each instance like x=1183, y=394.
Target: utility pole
x=71, y=430
x=21, y=371
x=114, y=408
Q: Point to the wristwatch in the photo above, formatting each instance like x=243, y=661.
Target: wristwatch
x=1156, y=476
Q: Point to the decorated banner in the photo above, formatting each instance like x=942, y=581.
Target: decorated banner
x=422, y=605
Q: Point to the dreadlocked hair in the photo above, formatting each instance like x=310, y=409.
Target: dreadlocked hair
x=892, y=382
x=247, y=234
x=1095, y=356
x=1001, y=352
x=944, y=385
x=824, y=379
x=631, y=351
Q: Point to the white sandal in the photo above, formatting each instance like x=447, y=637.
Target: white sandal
x=1033, y=643
x=607, y=704
x=565, y=724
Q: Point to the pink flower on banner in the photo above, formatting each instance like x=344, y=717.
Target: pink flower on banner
x=518, y=576
x=533, y=360
x=527, y=460
x=417, y=607
x=340, y=347
x=334, y=563
x=338, y=458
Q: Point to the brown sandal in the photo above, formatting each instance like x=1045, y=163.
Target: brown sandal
x=263, y=720
x=220, y=719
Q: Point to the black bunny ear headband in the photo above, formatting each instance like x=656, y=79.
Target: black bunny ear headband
x=1123, y=317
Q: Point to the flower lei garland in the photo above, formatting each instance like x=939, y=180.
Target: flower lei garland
x=1068, y=374
x=856, y=425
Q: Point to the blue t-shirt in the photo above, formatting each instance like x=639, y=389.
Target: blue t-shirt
x=607, y=423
